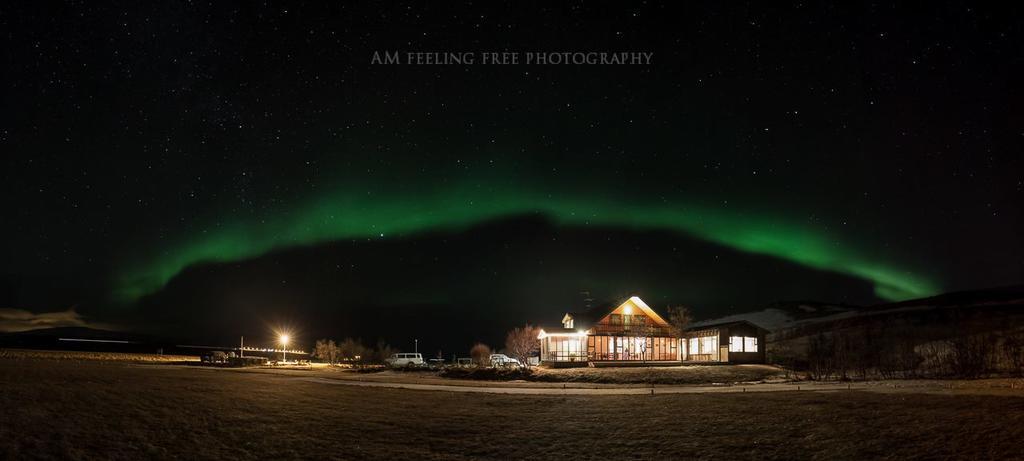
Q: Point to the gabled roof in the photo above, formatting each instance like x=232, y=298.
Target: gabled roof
x=647, y=310
x=586, y=319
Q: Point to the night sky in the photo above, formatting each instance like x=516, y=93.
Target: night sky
x=208, y=170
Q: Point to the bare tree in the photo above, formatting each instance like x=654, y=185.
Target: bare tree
x=351, y=350
x=843, y=353
x=522, y=342
x=326, y=351
x=821, y=356
x=1013, y=350
x=644, y=331
x=481, y=354
x=785, y=355
x=318, y=349
x=381, y=353
x=679, y=319
x=869, y=350
x=971, y=355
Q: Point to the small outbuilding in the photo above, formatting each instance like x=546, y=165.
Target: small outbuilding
x=727, y=342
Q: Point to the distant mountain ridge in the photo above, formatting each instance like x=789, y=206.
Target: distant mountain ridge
x=78, y=333
x=780, y=316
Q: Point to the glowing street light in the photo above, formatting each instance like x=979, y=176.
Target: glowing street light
x=283, y=339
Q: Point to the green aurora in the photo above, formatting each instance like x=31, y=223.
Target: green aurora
x=344, y=215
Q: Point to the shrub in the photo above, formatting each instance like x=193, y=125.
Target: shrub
x=481, y=354
x=488, y=374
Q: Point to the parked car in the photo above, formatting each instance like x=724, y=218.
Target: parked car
x=502, y=360
x=406, y=359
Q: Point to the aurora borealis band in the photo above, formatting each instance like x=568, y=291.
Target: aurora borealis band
x=207, y=168
x=346, y=216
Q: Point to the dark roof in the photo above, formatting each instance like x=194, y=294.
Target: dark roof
x=586, y=318
x=725, y=324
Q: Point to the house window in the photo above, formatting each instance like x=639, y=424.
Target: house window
x=566, y=348
x=742, y=344
x=708, y=344
x=567, y=323
x=694, y=348
x=616, y=319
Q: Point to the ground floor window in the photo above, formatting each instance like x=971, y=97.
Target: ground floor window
x=632, y=348
x=708, y=344
x=749, y=344
x=702, y=348
x=742, y=344
x=562, y=349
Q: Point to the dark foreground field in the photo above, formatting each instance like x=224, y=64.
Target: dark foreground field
x=91, y=410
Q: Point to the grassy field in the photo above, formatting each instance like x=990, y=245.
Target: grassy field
x=89, y=410
x=32, y=354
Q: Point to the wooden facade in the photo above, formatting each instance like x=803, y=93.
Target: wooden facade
x=630, y=332
x=633, y=333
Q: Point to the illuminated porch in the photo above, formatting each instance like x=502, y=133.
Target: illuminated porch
x=577, y=347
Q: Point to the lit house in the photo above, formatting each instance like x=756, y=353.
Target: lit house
x=626, y=332
x=633, y=333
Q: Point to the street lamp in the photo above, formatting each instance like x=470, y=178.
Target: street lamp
x=284, y=343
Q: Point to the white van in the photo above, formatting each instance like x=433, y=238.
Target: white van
x=405, y=359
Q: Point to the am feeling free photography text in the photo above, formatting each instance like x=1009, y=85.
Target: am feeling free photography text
x=469, y=58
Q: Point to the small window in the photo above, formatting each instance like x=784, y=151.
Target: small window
x=749, y=344
x=735, y=344
x=616, y=319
